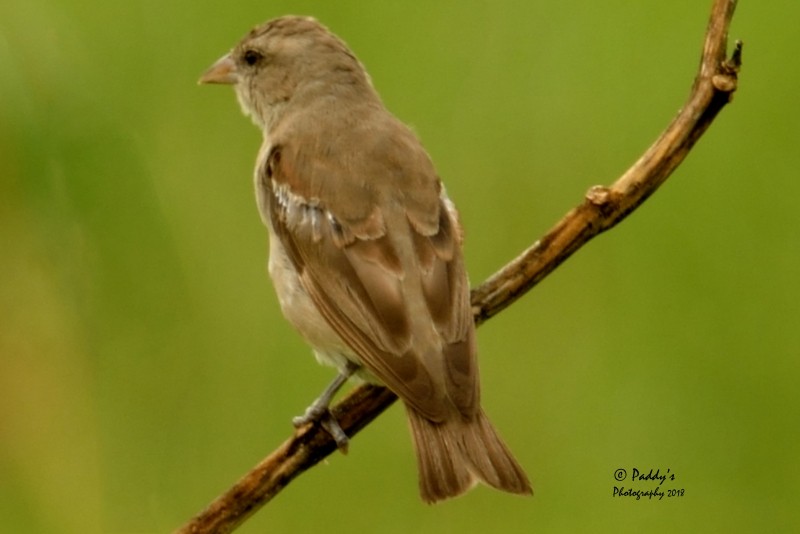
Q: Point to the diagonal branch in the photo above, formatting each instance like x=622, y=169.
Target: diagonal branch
x=602, y=208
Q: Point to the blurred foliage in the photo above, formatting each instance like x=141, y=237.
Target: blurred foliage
x=144, y=364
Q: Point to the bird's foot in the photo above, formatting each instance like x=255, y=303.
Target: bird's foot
x=318, y=412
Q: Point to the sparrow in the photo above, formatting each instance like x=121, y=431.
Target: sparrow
x=365, y=248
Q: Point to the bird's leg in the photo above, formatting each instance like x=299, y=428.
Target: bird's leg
x=318, y=410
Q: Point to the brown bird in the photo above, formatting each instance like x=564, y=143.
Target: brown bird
x=365, y=248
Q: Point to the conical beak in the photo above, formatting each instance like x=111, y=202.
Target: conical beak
x=223, y=71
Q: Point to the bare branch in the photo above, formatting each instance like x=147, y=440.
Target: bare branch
x=602, y=208
x=304, y=449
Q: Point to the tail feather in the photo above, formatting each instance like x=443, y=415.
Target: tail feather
x=455, y=455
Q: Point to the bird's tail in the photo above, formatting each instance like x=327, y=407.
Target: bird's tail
x=455, y=455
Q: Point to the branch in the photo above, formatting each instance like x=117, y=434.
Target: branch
x=602, y=208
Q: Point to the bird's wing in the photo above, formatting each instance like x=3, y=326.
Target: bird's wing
x=361, y=274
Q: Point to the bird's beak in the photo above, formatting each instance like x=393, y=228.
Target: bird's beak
x=223, y=71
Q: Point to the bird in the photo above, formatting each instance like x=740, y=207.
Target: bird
x=365, y=248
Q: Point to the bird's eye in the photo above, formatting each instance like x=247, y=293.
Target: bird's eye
x=251, y=57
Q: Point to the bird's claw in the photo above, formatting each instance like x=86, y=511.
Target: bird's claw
x=320, y=414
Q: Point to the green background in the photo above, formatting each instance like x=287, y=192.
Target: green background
x=144, y=365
